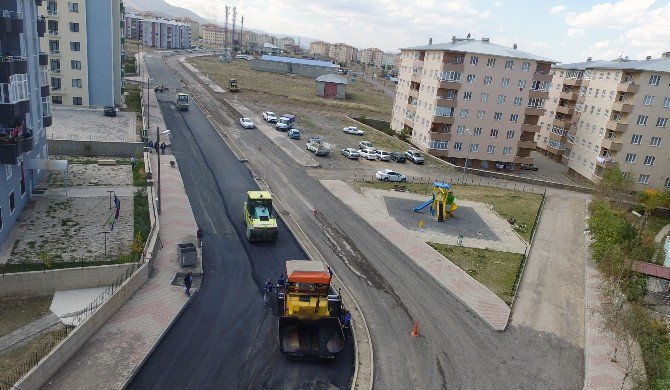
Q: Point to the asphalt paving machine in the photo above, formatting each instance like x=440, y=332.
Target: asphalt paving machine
x=232, y=86
x=261, y=226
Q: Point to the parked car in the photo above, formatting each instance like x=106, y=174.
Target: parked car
x=414, y=156
x=383, y=155
x=110, y=111
x=351, y=153
x=247, y=123
x=294, y=134
x=398, y=157
x=529, y=167
x=353, y=130
x=365, y=145
x=368, y=154
x=285, y=122
x=269, y=116
x=390, y=175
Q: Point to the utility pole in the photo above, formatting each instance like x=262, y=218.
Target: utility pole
x=232, y=39
x=110, y=199
x=158, y=199
x=242, y=32
x=105, y=233
x=467, y=156
x=225, y=37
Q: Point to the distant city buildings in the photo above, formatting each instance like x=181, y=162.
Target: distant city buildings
x=373, y=57
x=160, y=33
x=319, y=48
x=604, y=113
x=84, y=42
x=342, y=53
x=346, y=54
x=472, y=102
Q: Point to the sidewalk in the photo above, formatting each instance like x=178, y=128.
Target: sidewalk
x=110, y=358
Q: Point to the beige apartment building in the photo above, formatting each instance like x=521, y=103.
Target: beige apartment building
x=319, y=48
x=372, y=56
x=212, y=33
x=616, y=112
x=84, y=43
x=341, y=53
x=472, y=101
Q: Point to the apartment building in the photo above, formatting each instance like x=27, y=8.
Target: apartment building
x=389, y=59
x=84, y=42
x=372, y=56
x=609, y=113
x=319, y=48
x=212, y=33
x=194, y=29
x=286, y=41
x=341, y=53
x=472, y=101
x=25, y=109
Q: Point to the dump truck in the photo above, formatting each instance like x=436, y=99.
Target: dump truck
x=181, y=101
x=232, y=86
x=261, y=226
x=309, y=312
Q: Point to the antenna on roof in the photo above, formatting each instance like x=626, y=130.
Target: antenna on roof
x=468, y=36
x=514, y=46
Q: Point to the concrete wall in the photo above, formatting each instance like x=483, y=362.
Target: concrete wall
x=38, y=376
x=285, y=67
x=94, y=148
x=47, y=282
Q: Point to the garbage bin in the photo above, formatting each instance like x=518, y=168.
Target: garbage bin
x=188, y=254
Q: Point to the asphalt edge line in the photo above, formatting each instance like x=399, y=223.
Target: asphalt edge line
x=354, y=384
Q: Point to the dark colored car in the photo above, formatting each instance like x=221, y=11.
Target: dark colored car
x=110, y=111
x=398, y=157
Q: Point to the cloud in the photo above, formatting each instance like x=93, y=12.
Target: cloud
x=557, y=9
x=576, y=32
x=624, y=13
x=498, y=4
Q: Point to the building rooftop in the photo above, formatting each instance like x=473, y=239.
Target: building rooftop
x=655, y=65
x=483, y=46
x=331, y=78
x=297, y=61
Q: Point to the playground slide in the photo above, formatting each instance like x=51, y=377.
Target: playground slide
x=454, y=206
x=424, y=205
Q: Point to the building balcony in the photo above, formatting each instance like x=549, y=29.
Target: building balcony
x=413, y=93
x=567, y=110
x=11, y=149
x=439, y=136
x=530, y=128
x=622, y=107
x=415, y=78
x=628, y=87
x=41, y=27
x=526, y=145
x=557, y=137
x=605, y=162
x=53, y=34
x=451, y=67
x=534, y=111
x=573, y=82
x=11, y=65
x=11, y=22
x=54, y=53
x=417, y=63
x=537, y=94
x=570, y=95
x=408, y=122
x=411, y=108
x=45, y=90
x=444, y=101
x=611, y=144
x=450, y=84
x=566, y=124
x=9, y=111
x=47, y=120
x=43, y=59
x=523, y=160
x=52, y=13
x=449, y=120
x=617, y=126
x=557, y=150
x=542, y=76
x=38, y=2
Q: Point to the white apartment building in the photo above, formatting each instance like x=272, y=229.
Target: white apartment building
x=165, y=34
x=84, y=43
x=472, y=101
x=614, y=112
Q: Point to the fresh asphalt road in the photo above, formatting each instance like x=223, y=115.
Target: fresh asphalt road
x=456, y=350
x=227, y=338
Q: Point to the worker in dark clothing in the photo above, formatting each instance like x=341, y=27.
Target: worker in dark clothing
x=199, y=235
x=267, y=290
x=281, y=281
x=188, y=282
x=346, y=323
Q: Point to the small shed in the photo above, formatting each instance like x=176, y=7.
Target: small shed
x=331, y=86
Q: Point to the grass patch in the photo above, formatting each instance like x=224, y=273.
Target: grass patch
x=654, y=225
x=361, y=97
x=141, y=219
x=139, y=175
x=133, y=100
x=522, y=206
x=18, y=312
x=16, y=362
x=495, y=270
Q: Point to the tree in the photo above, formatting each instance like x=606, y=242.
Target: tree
x=615, y=185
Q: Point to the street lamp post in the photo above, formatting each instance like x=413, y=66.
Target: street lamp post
x=467, y=156
x=158, y=192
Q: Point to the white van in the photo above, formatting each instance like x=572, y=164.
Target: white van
x=244, y=57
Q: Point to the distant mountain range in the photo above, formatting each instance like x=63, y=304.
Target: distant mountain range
x=166, y=10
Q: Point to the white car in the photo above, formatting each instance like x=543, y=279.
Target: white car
x=269, y=116
x=383, y=155
x=365, y=145
x=414, y=156
x=247, y=123
x=389, y=175
x=351, y=153
x=353, y=130
x=368, y=154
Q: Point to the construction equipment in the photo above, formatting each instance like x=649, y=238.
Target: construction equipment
x=261, y=226
x=232, y=86
x=181, y=101
x=309, y=312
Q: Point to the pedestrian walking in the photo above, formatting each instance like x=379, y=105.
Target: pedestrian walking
x=346, y=323
x=163, y=146
x=330, y=271
x=314, y=210
x=199, y=235
x=132, y=163
x=150, y=144
x=188, y=282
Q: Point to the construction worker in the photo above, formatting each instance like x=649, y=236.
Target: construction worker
x=199, y=235
x=267, y=290
x=346, y=323
x=188, y=282
x=281, y=281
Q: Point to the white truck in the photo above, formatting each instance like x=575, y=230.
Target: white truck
x=317, y=146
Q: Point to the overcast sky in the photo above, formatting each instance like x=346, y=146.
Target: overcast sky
x=565, y=31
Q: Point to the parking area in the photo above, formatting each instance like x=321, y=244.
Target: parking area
x=89, y=124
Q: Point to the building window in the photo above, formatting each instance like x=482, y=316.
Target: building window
x=649, y=160
x=525, y=66
x=75, y=46
x=458, y=59
x=642, y=120
x=501, y=99
x=75, y=64
x=56, y=99
x=76, y=101
x=460, y=130
x=11, y=203
x=497, y=116
x=510, y=134
x=662, y=122
x=474, y=147
x=507, y=150
x=485, y=97
x=654, y=79
x=55, y=83
x=636, y=139
x=464, y=112
x=74, y=27
x=505, y=82
x=481, y=114
x=76, y=83
x=73, y=7
x=648, y=100
x=667, y=184
x=494, y=133
x=471, y=78
x=518, y=101
x=490, y=149
x=655, y=141
x=488, y=80
x=54, y=65
x=467, y=95
x=509, y=64
x=474, y=60
x=457, y=145
x=478, y=131
x=666, y=102
x=491, y=62
x=514, y=118
x=643, y=179
x=630, y=158
x=54, y=46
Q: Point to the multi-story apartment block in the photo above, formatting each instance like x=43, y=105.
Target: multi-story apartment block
x=389, y=59
x=284, y=41
x=603, y=113
x=319, y=48
x=341, y=53
x=165, y=34
x=132, y=26
x=85, y=47
x=25, y=109
x=372, y=56
x=194, y=29
x=472, y=102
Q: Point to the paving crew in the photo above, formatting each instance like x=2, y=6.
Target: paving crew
x=281, y=281
x=268, y=289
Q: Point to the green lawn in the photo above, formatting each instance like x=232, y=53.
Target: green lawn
x=495, y=270
x=17, y=312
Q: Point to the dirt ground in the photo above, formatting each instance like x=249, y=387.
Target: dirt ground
x=17, y=312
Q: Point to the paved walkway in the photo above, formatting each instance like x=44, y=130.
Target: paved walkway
x=662, y=233
x=116, y=351
x=29, y=330
x=473, y=294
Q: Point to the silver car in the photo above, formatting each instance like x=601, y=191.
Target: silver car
x=383, y=155
x=351, y=153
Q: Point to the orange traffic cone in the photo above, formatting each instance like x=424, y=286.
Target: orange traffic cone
x=415, y=330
